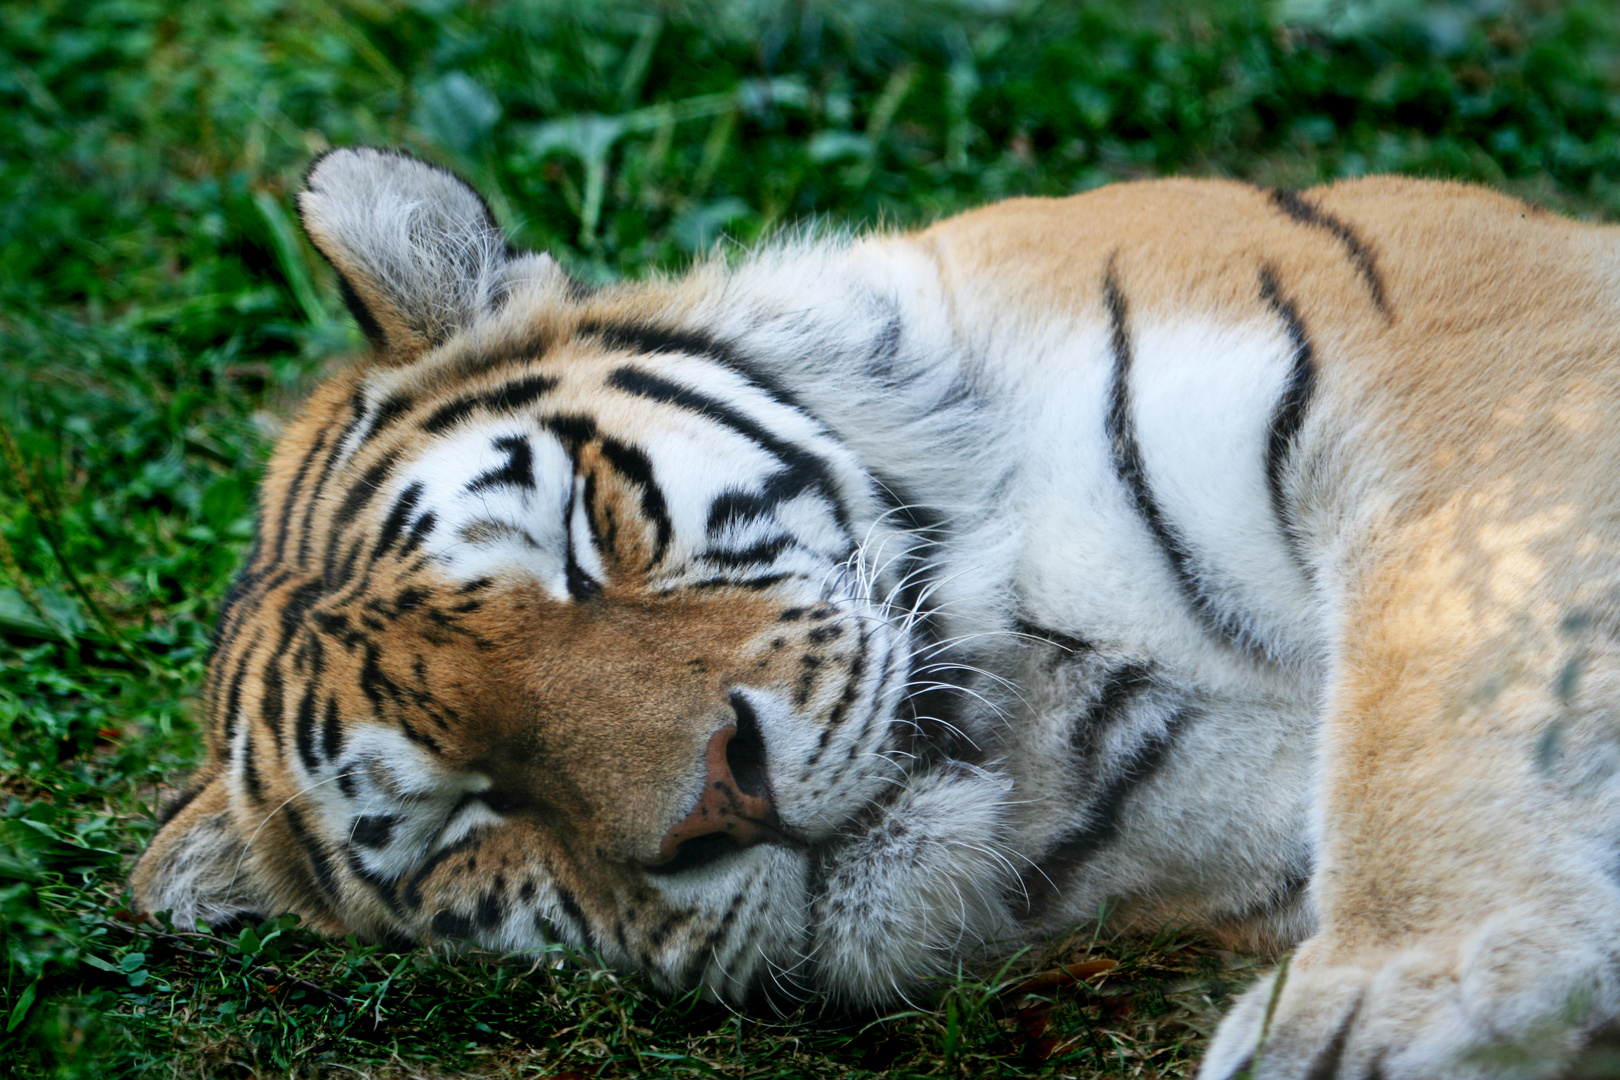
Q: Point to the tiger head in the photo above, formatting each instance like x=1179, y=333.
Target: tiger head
x=564, y=623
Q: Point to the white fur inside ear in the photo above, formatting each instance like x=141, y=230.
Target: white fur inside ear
x=417, y=246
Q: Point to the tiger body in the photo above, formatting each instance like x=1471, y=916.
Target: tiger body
x=1179, y=554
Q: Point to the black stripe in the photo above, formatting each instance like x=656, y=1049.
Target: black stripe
x=364, y=490
x=571, y=908
x=1126, y=453
x=242, y=586
x=1289, y=414
x=518, y=471
x=271, y=686
x=357, y=412
x=734, y=506
x=1331, y=1056
x=762, y=553
x=393, y=525
x=452, y=926
x=304, y=727
x=250, y=770
x=491, y=906
x=852, y=686
x=1068, y=642
x=522, y=351
x=289, y=498
x=1307, y=213
x=1105, y=814
x=649, y=340
x=412, y=893
x=802, y=469
x=759, y=583
x=1119, y=689
x=369, y=326
x=505, y=398
x=331, y=730
x=880, y=361
x=392, y=408
x=635, y=466
x=292, y=620
x=581, y=586
x=704, y=953
x=233, y=691
x=172, y=808
x=315, y=850
x=419, y=532
x=935, y=709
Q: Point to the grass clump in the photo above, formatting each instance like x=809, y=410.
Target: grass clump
x=159, y=315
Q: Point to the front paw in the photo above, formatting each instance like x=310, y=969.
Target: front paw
x=1512, y=999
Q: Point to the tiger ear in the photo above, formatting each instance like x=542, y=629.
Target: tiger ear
x=419, y=253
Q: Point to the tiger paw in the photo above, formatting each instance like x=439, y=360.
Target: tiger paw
x=1515, y=998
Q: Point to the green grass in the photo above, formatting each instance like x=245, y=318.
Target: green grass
x=159, y=314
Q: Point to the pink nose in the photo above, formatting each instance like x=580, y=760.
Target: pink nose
x=735, y=803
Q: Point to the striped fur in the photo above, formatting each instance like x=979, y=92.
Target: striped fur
x=1180, y=554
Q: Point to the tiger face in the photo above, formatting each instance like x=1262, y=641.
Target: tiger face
x=561, y=626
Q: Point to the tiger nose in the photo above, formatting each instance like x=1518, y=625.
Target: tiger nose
x=734, y=808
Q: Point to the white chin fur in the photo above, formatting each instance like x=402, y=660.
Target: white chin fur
x=918, y=891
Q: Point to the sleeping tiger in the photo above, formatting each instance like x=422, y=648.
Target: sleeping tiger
x=1180, y=554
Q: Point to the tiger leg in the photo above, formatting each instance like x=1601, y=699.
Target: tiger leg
x=1467, y=817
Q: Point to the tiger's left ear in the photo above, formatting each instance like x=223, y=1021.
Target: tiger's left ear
x=419, y=253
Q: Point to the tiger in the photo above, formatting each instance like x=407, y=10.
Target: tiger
x=1179, y=554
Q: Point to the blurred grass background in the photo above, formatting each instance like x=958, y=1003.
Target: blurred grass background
x=159, y=313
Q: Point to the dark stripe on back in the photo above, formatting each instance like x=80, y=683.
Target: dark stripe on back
x=1289, y=414
x=331, y=730
x=232, y=703
x=1126, y=453
x=802, y=469
x=271, y=680
x=1307, y=213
